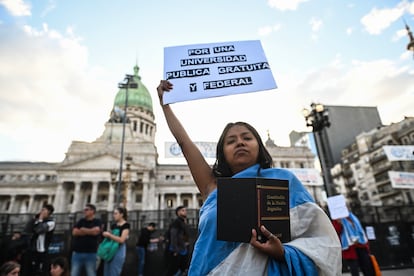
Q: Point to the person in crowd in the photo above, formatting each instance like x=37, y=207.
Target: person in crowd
x=314, y=248
x=177, y=257
x=40, y=229
x=145, y=237
x=86, y=234
x=355, y=247
x=114, y=266
x=10, y=268
x=14, y=247
x=59, y=267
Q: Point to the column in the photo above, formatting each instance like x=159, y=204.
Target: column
x=111, y=197
x=178, y=200
x=94, y=193
x=195, y=202
x=58, y=203
x=76, y=195
x=49, y=199
x=129, y=196
x=145, y=181
x=31, y=200
x=12, y=202
x=162, y=201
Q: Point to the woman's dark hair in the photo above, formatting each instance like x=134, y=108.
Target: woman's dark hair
x=222, y=169
x=8, y=267
x=63, y=263
x=122, y=211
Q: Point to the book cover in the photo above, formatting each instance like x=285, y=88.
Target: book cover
x=247, y=203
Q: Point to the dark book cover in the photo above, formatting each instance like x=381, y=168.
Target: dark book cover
x=247, y=203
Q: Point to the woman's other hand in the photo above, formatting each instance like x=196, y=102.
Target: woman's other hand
x=272, y=247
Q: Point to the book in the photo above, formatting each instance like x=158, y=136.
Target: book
x=247, y=203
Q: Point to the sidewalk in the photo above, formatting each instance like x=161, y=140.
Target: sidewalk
x=393, y=272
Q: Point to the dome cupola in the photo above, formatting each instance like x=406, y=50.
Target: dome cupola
x=138, y=96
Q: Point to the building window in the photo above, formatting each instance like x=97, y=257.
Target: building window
x=170, y=203
x=185, y=202
x=134, y=126
x=138, y=198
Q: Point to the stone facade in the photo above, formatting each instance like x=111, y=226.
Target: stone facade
x=362, y=176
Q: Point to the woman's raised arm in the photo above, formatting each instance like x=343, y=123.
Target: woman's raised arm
x=200, y=170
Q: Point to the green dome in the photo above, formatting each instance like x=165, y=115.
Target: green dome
x=137, y=97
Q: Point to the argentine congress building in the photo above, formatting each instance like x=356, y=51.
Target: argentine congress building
x=90, y=171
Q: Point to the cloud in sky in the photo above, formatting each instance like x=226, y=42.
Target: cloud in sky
x=379, y=19
x=316, y=24
x=267, y=30
x=52, y=70
x=285, y=5
x=16, y=7
x=58, y=82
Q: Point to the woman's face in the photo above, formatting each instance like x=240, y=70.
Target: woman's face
x=240, y=148
x=14, y=272
x=117, y=215
x=56, y=270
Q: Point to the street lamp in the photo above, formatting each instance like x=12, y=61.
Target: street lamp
x=410, y=45
x=128, y=83
x=318, y=119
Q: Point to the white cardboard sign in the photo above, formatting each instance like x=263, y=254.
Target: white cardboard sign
x=216, y=69
x=337, y=207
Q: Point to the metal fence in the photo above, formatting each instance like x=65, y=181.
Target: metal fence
x=391, y=232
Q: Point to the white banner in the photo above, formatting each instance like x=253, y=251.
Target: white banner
x=401, y=180
x=216, y=69
x=308, y=177
x=173, y=150
x=399, y=153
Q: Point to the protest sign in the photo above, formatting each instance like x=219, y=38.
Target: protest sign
x=337, y=207
x=216, y=69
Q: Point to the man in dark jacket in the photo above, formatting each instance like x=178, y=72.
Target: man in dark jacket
x=40, y=229
x=178, y=243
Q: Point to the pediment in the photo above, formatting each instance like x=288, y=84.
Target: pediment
x=104, y=161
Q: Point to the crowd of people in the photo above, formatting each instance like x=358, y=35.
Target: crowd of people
x=26, y=253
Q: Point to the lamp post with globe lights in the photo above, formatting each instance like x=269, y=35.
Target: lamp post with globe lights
x=128, y=83
x=317, y=118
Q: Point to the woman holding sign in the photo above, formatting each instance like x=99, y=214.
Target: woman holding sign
x=314, y=248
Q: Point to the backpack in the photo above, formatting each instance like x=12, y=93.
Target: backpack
x=108, y=247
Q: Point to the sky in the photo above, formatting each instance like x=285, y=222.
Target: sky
x=61, y=62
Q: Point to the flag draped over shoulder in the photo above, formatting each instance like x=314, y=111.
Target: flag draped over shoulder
x=314, y=249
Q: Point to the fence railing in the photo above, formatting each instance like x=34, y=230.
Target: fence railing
x=391, y=229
